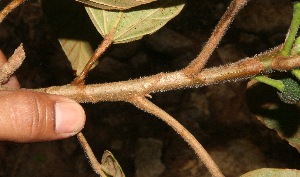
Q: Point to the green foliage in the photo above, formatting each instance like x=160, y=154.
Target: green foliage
x=75, y=32
x=134, y=24
x=272, y=172
x=78, y=52
x=116, y=4
x=73, y=29
x=291, y=91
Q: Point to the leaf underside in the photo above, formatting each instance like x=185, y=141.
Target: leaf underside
x=116, y=4
x=265, y=104
x=110, y=165
x=78, y=53
x=76, y=33
x=272, y=172
x=135, y=23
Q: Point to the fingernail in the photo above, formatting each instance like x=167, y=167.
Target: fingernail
x=69, y=118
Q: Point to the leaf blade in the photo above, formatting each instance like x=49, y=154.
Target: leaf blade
x=271, y=172
x=110, y=165
x=78, y=52
x=134, y=24
x=273, y=113
x=116, y=4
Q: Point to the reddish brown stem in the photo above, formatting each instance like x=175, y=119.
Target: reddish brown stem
x=284, y=64
x=10, y=7
x=14, y=62
x=151, y=108
x=121, y=91
x=198, y=64
x=89, y=152
x=107, y=41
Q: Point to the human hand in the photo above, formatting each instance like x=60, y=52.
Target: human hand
x=28, y=116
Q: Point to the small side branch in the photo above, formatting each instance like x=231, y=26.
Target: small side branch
x=10, y=7
x=89, y=152
x=198, y=64
x=289, y=41
x=107, y=41
x=14, y=62
x=148, y=106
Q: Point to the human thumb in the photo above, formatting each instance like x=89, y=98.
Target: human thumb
x=28, y=116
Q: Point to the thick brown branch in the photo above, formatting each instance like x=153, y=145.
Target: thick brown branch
x=237, y=71
x=10, y=7
x=198, y=64
x=122, y=91
x=14, y=62
x=151, y=108
x=283, y=64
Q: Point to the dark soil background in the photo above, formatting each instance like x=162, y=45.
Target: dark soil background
x=217, y=115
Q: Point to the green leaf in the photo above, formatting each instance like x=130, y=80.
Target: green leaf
x=264, y=103
x=134, y=24
x=78, y=53
x=111, y=166
x=272, y=172
x=76, y=33
x=116, y=4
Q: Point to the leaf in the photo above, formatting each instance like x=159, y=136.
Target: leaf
x=72, y=26
x=265, y=104
x=78, y=53
x=111, y=166
x=116, y=4
x=134, y=24
x=272, y=172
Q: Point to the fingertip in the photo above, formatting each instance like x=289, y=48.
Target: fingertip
x=28, y=116
x=69, y=118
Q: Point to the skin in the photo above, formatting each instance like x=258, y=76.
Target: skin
x=28, y=116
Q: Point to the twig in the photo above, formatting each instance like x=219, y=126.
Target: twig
x=289, y=41
x=93, y=160
x=79, y=80
x=107, y=41
x=10, y=7
x=148, y=106
x=14, y=62
x=198, y=63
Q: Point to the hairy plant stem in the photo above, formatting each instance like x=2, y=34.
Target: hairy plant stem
x=148, y=106
x=107, y=41
x=286, y=50
x=89, y=152
x=10, y=7
x=13, y=63
x=135, y=91
x=198, y=64
x=121, y=91
x=287, y=47
x=272, y=82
